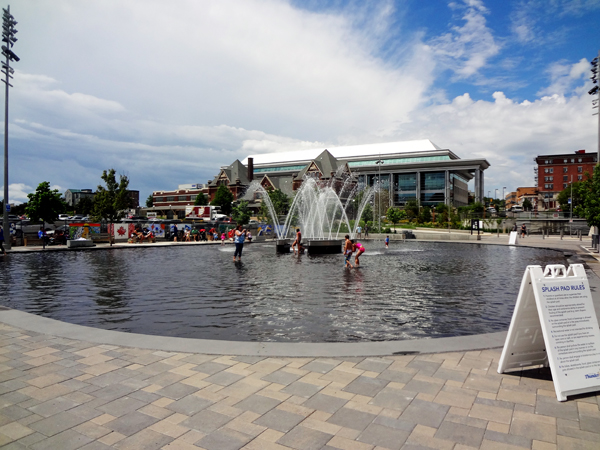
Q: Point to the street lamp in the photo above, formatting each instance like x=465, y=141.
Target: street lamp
x=503, y=198
x=496, y=194
x=9, y=39
x=379, y=162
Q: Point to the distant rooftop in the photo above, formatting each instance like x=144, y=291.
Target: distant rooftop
x=417, y=146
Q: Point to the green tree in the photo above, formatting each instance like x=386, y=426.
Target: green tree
x=280, y=201
x=579, y=193
x=477, y=207
x=150, y=201
x=201, y=199
x=425, y=215
x=527, y=205
x=367, y=214
x=85, y=206
x=395, y=215
x=240, y=213
x=442, y=214
x=590, y=209
x=111, y=201
x=45, y=204
x=412, y=209
x=223, y=198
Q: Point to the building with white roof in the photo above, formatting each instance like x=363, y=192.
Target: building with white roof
x=411, y=170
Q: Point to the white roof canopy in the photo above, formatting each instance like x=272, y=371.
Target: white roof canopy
x=352, y=151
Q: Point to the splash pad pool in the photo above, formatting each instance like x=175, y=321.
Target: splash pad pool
x=413, y=290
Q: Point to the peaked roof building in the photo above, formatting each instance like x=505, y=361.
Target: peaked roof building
x=410, y=170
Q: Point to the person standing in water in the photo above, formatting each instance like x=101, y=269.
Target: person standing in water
x=2, y=241
x=387, y=242
x=297, y=241
x=360, y=249
x=239, y=237
x=348, y=248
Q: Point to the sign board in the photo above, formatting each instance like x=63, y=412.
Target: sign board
x=8, y=207
x=513, y=238
x=199, y=212
x=554, y=324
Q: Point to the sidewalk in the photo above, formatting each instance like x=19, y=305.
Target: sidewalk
x=61, y=392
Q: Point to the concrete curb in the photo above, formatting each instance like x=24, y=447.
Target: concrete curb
x=44, y=325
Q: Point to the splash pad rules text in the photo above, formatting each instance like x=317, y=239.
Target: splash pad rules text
x=569, y=311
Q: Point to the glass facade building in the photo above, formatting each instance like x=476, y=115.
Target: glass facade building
x=410, y=170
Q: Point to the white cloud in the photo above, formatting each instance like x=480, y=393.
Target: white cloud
x=508, y=134
x=17, y=192
x=167, y=95
x=566, y=77
x=467, y=48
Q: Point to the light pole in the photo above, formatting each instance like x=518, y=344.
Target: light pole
x=503, y=198
x=593, y=91
x=8, y=39
x=379, y=163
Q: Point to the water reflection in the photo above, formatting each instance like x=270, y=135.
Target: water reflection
x=411, y=290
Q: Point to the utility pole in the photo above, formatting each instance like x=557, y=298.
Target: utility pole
x=8, y=39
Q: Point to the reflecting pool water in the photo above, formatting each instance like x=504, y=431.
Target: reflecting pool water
x=411, y=290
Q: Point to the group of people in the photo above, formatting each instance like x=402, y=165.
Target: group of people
x=350, y=247
x=142, y=234
x=523, y=231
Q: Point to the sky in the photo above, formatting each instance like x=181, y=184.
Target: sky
x=168, y=92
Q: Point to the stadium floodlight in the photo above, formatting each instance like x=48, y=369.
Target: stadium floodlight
x=8, y=37
x=595, y=90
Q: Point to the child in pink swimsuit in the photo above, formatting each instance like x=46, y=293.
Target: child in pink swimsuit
x=359, y=251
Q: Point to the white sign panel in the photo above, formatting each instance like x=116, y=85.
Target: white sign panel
x=513, y=238
x=554, y=323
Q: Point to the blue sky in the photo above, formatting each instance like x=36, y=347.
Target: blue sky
x=167, y=94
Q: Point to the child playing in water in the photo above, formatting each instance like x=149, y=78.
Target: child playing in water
x=359, y=251
x=387, y=242
x=348, y=248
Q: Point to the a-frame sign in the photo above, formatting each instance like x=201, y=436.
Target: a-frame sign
x=554, y=324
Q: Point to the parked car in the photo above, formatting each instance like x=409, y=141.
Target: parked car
x=63, y=217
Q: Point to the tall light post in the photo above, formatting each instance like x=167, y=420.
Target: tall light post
x=503, y=198
x=596, y=90
x=8, y=39
x=379, y=163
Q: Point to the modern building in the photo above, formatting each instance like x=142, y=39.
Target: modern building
x=410, y=170
x=554, y=173
x=73, y=196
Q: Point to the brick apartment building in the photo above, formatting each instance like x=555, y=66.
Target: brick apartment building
x=554, y=173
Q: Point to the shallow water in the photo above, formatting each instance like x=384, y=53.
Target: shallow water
x=411, y=290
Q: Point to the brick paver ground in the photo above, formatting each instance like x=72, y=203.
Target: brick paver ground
x=58, y=393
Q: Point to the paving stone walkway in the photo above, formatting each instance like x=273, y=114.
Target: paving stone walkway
x=58, y=393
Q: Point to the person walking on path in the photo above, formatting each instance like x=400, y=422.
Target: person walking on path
x=523, y=230
x=297, y=241
x=348, y=248
x=2, y=241
x=239, y=237
x=366, y=231
x=174, y=232
x=358, y=232
x=387, y=242
x=360, y=249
